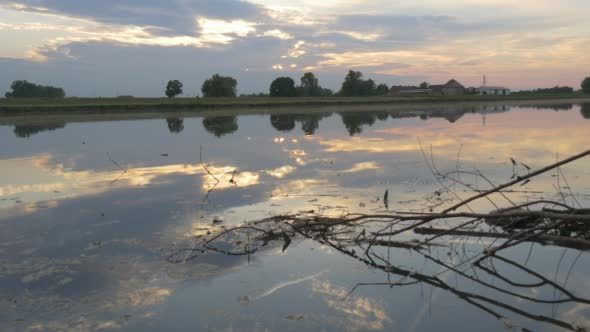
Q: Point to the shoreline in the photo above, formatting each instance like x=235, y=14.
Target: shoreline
x=77, y=113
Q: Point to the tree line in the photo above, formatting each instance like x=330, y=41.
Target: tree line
x=25, y=89
x=354, y=85
x=221, y=86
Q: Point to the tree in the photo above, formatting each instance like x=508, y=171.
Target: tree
x=424, y=85
x=310, y=85
x=327, y=92
x=352, y=83
x=219, y=86
x=586, y=85
x=173, y=89
x=368, y=88
x=283, y=87
x=382, y=89
x=25, y=89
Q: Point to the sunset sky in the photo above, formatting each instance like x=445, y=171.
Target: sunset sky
x=116, y=47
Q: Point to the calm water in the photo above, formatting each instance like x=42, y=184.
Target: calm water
x=88, y=211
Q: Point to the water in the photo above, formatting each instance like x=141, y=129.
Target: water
x=90, y=209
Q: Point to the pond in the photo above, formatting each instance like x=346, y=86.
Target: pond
x=92, y=211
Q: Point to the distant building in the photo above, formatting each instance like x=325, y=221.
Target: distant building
x=408, y=90
x=493, y=90
x=451, y=88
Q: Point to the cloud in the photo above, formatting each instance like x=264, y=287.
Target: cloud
x=174, y=15
x=518, y=44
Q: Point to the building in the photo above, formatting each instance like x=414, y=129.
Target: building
x=408, y=90
x=451, y=88
x=484, y=89
x=493, y=90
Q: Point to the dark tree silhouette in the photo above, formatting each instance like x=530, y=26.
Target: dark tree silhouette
x=424, y=85
x=25, y=89
x=585, y=110
x=173, y=89
x=311, y=122
x=283, y=87
x=586, y=85
x=354, y=121
x=352, y=84
x=219, y=86
x=310, y=85
x=175, y=125
x=327, y=92
x=382, y=116
x=221, y=125
x=26, y=131
x=382, y=89
x=283, y=122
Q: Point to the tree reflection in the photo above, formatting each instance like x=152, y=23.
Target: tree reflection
x=26, y=131
x=554, y=107
x=175, y=125
x=283, y=122
x=585, y=110
x=354, y=121
x=310, y=122
x=221, y=125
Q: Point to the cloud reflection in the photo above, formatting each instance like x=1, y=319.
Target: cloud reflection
x=362, y=313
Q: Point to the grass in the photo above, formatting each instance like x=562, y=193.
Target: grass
x=116, y=105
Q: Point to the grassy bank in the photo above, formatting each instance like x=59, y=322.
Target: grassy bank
x=116, y=105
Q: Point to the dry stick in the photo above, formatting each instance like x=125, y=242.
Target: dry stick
x=505, y=291
x=572, y=243
x=518, y=180
x=205, y=166
x=430, y=217
x=116, y=164
x=451, y=230
x=509, y=184
x=471, y=298
x=479, y=174
x=496, y=189
x=435, y=172
x=217, y=182
x=569, y=188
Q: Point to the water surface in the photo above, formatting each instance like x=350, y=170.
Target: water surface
x=90, y=210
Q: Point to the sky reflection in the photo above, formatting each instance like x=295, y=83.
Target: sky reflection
x=84, y=215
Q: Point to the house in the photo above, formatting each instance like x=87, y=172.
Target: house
x=451, y=88
x=408, y=90
x=493, y=90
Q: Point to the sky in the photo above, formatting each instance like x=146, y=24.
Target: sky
x=133, y=47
